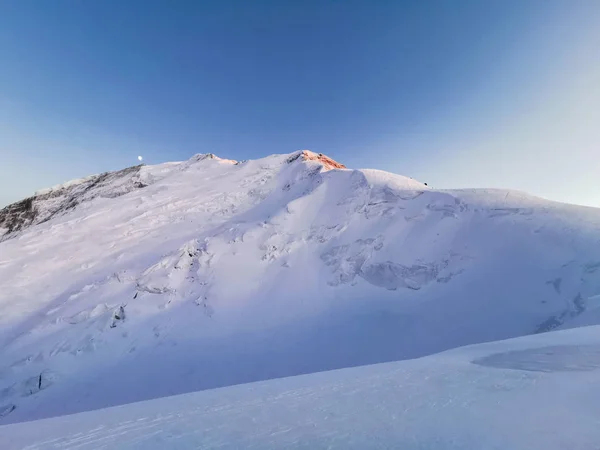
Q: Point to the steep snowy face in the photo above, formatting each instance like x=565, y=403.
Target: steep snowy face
x=219, y=272
x=59, y=200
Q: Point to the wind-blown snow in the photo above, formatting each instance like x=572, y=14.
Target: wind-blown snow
x=538, y=392
x=162, y=280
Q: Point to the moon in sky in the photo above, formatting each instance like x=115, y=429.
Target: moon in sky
x=140, y=158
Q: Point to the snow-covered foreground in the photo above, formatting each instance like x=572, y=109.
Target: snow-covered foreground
x=168, y=279
x=538, y=392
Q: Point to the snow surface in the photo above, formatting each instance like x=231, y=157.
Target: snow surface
x=537, y=392
x=187, y=276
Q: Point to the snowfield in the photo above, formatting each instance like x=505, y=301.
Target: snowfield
x=536, y=392
x=164, y=280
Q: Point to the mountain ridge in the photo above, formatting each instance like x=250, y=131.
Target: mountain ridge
x=23, y=213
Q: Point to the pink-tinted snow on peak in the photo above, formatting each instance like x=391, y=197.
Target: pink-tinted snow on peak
x=325, y=161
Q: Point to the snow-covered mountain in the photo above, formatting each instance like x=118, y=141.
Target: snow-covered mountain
x=167, y=279
x=534, y=392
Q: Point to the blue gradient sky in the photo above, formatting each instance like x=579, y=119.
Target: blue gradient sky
x=467, y=93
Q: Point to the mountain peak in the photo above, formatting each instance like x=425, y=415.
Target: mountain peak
x=203, y=156
x=307, y=155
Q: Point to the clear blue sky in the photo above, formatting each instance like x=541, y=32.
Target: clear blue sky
x=481, y=93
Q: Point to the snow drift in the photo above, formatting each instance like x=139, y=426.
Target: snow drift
x=535, y=392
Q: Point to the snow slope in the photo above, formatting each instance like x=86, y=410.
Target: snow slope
x=206, y=273
x=537, y=392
